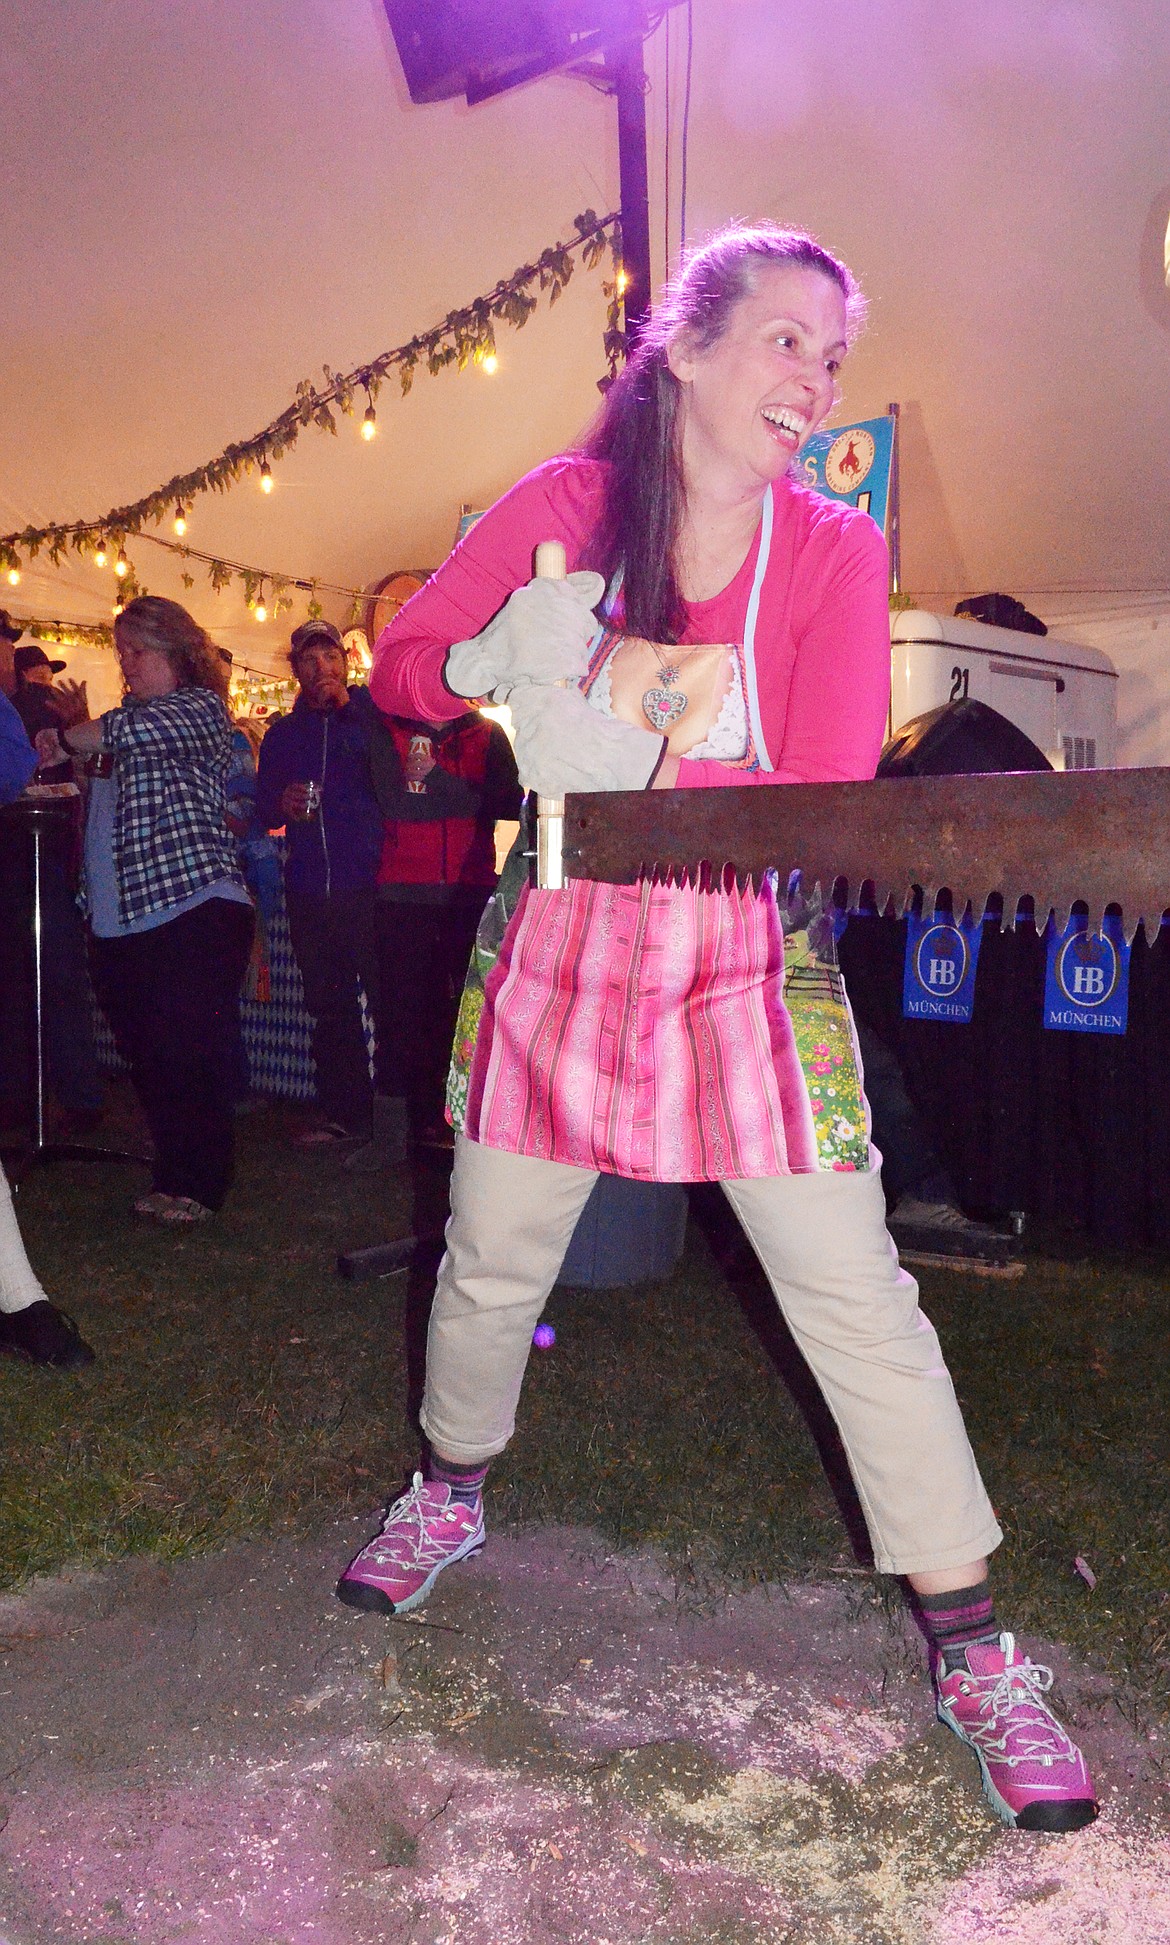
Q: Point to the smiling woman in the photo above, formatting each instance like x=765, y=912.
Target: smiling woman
x=666, y=1032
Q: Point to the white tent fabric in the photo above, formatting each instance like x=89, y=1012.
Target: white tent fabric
x=202, y=206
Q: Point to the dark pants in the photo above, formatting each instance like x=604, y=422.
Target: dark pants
x=70, y=1054
x=423, y=952
x=909, y=1160
x=170, y=996
x=333, y=939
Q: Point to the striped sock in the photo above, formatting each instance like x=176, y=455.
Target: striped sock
x=466, y=1482
x=955, y=1620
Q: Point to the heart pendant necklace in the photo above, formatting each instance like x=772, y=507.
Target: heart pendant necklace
x=662, y=705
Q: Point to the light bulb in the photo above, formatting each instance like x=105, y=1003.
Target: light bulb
x=119, y=607
x=13, y=577
x=266, y=478
x=623, y=282
x=100, y=556
x=180, y=518
x=260, y=612
x=491, y=363
x=121, y=565
x=369, y=423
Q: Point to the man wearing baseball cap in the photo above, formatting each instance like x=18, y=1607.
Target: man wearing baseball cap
x=313, y=777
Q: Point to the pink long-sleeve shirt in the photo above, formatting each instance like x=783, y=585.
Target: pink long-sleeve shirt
x=642, y=1030
x=822, y=637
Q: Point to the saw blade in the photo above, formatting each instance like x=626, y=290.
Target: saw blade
x=1101, y=836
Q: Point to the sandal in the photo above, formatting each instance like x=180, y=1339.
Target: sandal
x=332, y=1135
x=153, y=1205
x=183, y=1209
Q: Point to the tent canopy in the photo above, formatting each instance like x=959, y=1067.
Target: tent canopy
x=204, y=206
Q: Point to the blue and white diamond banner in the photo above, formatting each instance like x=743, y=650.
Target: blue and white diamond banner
x=938, y=982
x=1086, y=983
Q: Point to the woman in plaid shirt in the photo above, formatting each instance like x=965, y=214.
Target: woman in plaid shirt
x=170, y=922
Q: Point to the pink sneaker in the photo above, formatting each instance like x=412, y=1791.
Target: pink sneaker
x=1034, y=1777
x=423, y=1532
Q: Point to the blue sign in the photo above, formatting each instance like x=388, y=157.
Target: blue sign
x=1086, y=984
x=852, y=464
x=938, y=982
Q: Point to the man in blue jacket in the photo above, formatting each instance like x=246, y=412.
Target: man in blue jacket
x=314, y=778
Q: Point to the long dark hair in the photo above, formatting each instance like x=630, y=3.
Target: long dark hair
x=637, y=431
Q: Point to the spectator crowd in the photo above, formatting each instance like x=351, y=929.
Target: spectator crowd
x=387, y=862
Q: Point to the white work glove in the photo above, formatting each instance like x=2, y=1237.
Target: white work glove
x=562, y=744
x=541, y=634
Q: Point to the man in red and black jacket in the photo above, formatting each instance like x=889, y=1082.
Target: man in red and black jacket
x=441, y=788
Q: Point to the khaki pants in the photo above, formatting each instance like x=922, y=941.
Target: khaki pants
x=823, y=1243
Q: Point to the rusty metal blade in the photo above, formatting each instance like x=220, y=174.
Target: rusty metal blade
x=1098, y=835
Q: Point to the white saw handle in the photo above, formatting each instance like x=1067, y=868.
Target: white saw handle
x=549, y=565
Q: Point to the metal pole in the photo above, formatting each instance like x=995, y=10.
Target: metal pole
x=895, y=519
x=38, y=994
x=630, y=87
x=549, y=565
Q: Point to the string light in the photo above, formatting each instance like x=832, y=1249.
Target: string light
x=259, y=611
x=369, y=417
x=622, y=282
x=14, y=577
x=180, y=517
x=461, y=335
x=100, y=556
x=121, y=565
x=119, y=607
x=491, y=363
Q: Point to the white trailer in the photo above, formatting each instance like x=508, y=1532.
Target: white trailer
x=1061, y=694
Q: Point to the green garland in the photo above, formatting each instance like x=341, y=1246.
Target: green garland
x=66, y=634
x=466, y=336
x=259, y=583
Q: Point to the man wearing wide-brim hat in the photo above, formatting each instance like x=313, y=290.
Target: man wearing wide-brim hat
x=10, y=633
x=39, y=701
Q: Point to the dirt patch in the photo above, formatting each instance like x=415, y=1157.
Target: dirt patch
x=563, y=1747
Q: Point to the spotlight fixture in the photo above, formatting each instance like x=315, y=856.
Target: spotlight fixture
x=265, y=477
x=454, y=47
x=180, y=518
x=464, y=47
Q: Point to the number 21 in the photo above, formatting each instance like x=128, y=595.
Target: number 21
x=958, y=685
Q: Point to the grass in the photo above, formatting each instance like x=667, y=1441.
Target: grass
x=244, y=1388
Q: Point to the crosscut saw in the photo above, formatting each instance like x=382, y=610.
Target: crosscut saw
x=1098, y=835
